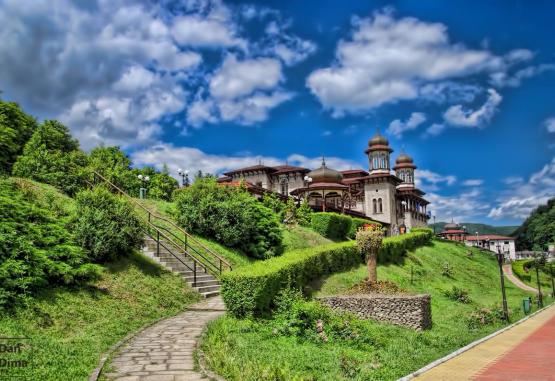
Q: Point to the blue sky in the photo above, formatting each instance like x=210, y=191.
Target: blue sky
x=465, y=87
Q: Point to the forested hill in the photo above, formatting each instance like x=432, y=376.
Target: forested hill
x=472, y=228
x=539, y=228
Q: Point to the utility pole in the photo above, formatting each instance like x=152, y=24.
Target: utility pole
x=502, y=279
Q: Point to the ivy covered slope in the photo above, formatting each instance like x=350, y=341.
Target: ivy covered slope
x=288, y=345
x=54, y=291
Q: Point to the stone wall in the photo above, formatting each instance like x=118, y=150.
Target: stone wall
x=413, y=311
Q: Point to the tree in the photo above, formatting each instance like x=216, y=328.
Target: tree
x=115, y=166
x=369, y=242
x=162, y=186
x=304, y=213
x=538, y=230
x=52, y=156
x=16, y=128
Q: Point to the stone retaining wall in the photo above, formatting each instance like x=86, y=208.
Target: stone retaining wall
x=413, y=311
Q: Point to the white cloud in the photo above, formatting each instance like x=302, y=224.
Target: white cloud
x=550, y=125
x=242, y=91
x=505, y=79
x=200, y=31
x=462, y=206
x=521, y=197
x=290, y=49
x=435, y=129
x=458, y=116
x=388, y=59
x=432, y=181
x=194, y=159
x=473, y=182
x=397, y=127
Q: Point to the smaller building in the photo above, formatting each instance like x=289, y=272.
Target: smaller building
x=495, y=243
x=453, y=232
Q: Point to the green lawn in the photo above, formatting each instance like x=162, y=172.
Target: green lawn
x=70, y=328
x=250, y=349
x=545, y=278
x=299, y=237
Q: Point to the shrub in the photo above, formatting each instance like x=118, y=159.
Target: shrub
x=458, y=295
x=394, y=248
x=106, y=225
x=253, y=289
x=357, y=223
x=447, y=270
x=231, y=216
x=36, y=248
x=484, y=316
x=304, y=213
x=331, y=225
x=521, y=269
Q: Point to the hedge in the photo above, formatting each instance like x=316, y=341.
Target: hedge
x=357, y=223
x=519, y=269
x=331, y=225
x=252, y=289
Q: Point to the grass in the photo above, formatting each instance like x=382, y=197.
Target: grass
x=250, y=349
x=299, y=237
x=545, y=278
x=70, y=328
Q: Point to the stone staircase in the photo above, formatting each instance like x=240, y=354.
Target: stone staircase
x=207, y=284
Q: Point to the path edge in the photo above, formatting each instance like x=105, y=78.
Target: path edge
x=467, y=347
x=106, y=355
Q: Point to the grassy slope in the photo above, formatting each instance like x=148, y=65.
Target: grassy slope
x=545, y=279
x=298, y=237
x=70, y=328
x=387, y=352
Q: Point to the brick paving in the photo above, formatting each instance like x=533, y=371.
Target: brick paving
x=164, y=351
x=523, y=352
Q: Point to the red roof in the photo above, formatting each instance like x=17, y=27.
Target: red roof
x=453, y=232
x=489, y=237
x=289, y=168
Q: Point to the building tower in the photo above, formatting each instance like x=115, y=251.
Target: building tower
x=378, y=152
x=404, y=169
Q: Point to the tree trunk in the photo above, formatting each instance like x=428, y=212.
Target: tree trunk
x=372, y=266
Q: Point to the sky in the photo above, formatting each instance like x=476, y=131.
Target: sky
x=465, y=87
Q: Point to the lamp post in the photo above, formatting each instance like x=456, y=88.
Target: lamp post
x=502, y=279
x=540, y=296
x=184, y=177
x=144, y=181
x=434, y=225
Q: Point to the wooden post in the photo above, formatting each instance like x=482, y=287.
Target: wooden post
x=372, y=263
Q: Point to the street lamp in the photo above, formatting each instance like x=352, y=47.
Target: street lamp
x=142, y=191
x=477, y=242
x=184, y=177
x=502, y=279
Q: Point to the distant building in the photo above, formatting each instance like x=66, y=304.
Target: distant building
x=495, y=243
x=453, y=232
x=377, y=194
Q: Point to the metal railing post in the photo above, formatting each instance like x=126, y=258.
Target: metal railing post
x=220, y=267
x=157, y=243
x=194, y=273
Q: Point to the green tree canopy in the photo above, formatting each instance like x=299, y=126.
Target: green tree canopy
x=52, y=156
x=538, y=231
x=16, y=128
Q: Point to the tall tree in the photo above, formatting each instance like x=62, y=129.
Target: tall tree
x=538, y=230
x=16, y=128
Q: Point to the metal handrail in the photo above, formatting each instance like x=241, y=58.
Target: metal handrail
x=187, y=235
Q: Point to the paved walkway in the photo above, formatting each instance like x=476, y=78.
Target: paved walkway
x=164, y=351
x=523, y=352
x=508, y=271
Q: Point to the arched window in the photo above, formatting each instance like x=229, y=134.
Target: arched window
x=284, y=187
x=380, y=208
x=374, y=205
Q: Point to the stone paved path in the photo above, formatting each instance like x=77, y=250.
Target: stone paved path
x=508, y=271
x=523, y=352
x=164, y=351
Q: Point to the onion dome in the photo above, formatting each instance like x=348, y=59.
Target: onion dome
x=378, y=140
x=452, y=226
x=404, y=159
x=325, y=175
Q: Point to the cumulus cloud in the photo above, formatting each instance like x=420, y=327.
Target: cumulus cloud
x=387, y=60
x=207, y=31
x=505, y=79
x=243, y=91
x=461, y=206
x=432, y=181
x=521, y=196
x=458, y=116
x=397, y=127
x=194, y=159
x=290, y=49
x=550, y=125
x=435, y=129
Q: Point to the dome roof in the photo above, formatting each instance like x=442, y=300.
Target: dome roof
x=452, y=226
x=404, y=158
x=378, y=139
x=325, y=175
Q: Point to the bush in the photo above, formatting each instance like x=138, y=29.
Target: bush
x=521, y=269
x=394, y=248
x=304, y=213
x=106, y=225
x=458, y=295
x=331, y=225
x=36, y=248
x=447, y=270
x=357, y=223
x=252, y=290
x=484, y=316
x=231, y=216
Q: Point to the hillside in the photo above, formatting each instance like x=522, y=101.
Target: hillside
x=538, y=230
x=472, y=228
x=366, y=350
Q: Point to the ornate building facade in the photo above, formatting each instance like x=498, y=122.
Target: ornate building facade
x=382, y=193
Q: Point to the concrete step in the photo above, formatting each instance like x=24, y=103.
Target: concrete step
x=200, y=278
x=205, y=283
x=210, y=294
x=205, y=289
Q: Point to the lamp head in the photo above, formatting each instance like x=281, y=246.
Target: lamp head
x=140, y=177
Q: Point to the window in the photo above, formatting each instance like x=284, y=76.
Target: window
x=380, y=209
x=259, y=184
x=374, y=203
x=284, y=187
